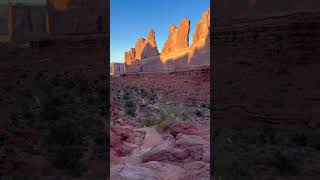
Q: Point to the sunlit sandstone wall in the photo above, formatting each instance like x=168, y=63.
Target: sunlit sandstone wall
x=176, y=53
x=266, y=70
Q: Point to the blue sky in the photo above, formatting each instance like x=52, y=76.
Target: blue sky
x=130, y=20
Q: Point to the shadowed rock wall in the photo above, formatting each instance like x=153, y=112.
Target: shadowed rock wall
x=3, y=20
x=266, y=69
x=79, y=17
x=29, y=23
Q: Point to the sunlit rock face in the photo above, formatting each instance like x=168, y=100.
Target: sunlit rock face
x=202, y=30
x=140, y=43
x=129, y=57
x=199, y=52
x=144, y=48
x=178, y=38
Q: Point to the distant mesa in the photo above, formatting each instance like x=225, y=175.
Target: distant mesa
x=144, y=48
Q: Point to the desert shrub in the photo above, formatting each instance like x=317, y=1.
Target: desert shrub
x=147, y=94
x=164, y=124
x=172, y=114
x=129, y=107
x=150, y=121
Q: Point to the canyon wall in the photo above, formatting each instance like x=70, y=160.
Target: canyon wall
x=266, y=71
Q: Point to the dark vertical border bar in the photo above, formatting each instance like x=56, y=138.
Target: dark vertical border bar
x=108, y=87
x=212, y=132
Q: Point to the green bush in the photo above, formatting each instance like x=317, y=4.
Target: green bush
x=129, y=107
x=150, y=121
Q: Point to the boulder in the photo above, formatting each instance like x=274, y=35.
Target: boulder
x=131, y=172
x=150, y=170
x=121, y=140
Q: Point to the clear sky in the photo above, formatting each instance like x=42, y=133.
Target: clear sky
x=132, y=19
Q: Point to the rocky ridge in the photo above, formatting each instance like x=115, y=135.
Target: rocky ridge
x=176, y=48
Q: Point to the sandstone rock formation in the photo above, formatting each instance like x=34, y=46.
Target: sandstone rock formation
x=144, y=48
x=178, y=38
x=202, y=30
x=140, y=44
x=150, y=49
x=129, y=56
x=199, y=52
